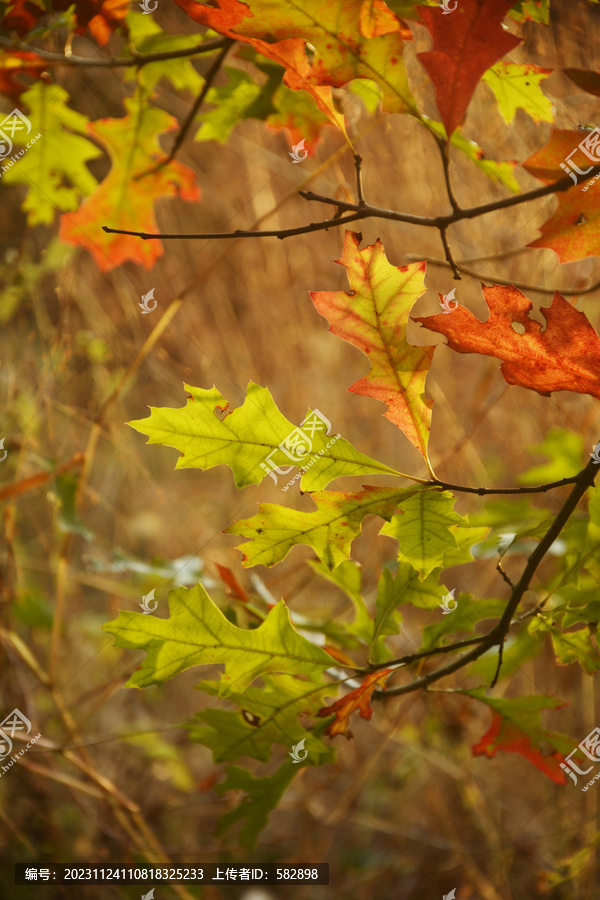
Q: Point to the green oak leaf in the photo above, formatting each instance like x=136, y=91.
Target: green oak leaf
x=244, y=438
x=348, y=577
x=423, y=529
x=54, y=168
x=467, y=614
x=267, y=715
x=148, y=38
x=496, y=171
x=262, y=795
x=518, y=86
x=394, y=590
x=566, y=451
x=576, y=646
x=198, y=634
x=240, y=98
x=329, y=530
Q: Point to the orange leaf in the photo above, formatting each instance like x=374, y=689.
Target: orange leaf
x=359, y=699
x=465, y=45
x=563, y=357
x=121, y=202
x=573, y=232
x=235, y=588
x=16, y=63
x=349, y=39
x=506, y=736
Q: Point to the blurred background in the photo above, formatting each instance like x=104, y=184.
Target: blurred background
x=406, y=812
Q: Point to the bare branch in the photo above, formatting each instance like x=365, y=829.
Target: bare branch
x=59, y=59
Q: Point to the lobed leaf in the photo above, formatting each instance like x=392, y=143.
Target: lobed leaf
x=373, y=316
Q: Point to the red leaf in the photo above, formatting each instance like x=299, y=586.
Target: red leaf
x=465, y=45
x=14, y=64
x=504, y=735
x=359, y=699
x=564, y=357
x=573, y=232
x=235, y=588
x=100, y=17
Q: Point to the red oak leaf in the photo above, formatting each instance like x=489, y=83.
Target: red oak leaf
x=573, y=232
x=563, y=357
x=14, y=64
x=506, y=736
x=359, y=699
x=465, y=45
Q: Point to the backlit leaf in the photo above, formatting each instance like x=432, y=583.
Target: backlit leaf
x=373, y=316
x=359, y=699
x=245, y=437
x=518, y=86
x=565, y=356
x=119, y=201
x=198, y=634
x=329, y=530
x=423, y=529
x=465, y=45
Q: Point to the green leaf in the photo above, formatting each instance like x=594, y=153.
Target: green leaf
x=518, y=86
x=148, y=38
x=591, y=549
x=198, y=634
x=348, y=577
x=405, y=587
x=267, y=715
x=467, y=614
x=467, y=536
x=536, y=10
x=262, y=795
x=240, y=98
x=495, y=171
x=566, y=451
x=423, y=529
x=245, y=437
x=576, y=646
x=329, y=530
x=54, y=168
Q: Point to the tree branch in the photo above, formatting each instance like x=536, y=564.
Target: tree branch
x=208, y=80
x=497, y=635
x=59, y=59
x=368, y=211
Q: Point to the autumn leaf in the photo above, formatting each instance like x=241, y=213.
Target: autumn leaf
x=359, y=699
x=373, y=317
x=563, y=357
x=329, y=530
x=573, y=232
x=518, y=86
x=122, y=202
x=15, y=63
x=465, y=45
x=351, y=39
x=516, y=728
x=584, y=79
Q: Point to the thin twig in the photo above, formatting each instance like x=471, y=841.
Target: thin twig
x=497, y=635
x=59, y=59
x=359, y=181
x=208, y=80
x=449, y=257
x=368, y=211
